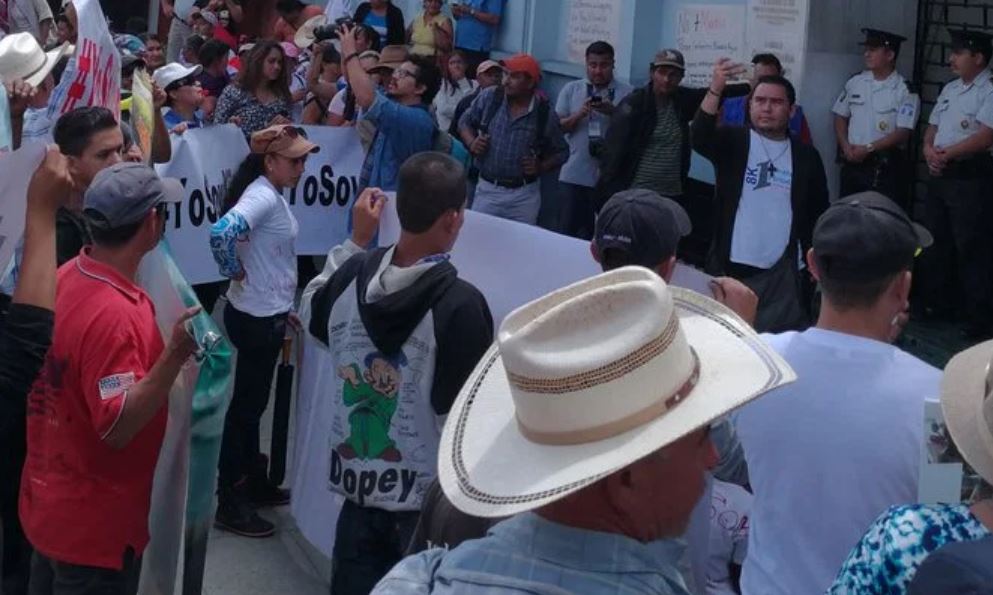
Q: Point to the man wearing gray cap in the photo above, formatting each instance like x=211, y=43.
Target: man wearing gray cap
x=854, y=418
x=96, y=414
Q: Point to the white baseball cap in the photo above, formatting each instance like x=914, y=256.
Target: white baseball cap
x=172, y=72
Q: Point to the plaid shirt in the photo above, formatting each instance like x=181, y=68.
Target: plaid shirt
x=528, y=554
x=511, y=140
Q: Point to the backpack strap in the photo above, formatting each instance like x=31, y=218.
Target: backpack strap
x=544, y=112
x=495, y=102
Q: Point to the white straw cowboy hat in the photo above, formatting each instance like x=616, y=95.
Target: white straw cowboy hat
x=967, y=404
x=304, y=37
x=588, y=380
x=21, y=58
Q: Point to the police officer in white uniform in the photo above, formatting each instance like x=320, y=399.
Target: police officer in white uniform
x=959, y=205
x=875, y=116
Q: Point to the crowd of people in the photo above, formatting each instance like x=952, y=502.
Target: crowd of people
x=619, y=434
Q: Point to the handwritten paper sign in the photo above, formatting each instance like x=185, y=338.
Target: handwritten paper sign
x=705, y=33
x=589, y=21
x=780, y=27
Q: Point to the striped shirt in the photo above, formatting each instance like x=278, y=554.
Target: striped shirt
x=660, y=168
x=528, y=554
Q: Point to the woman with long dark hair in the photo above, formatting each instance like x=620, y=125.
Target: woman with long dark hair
x=454, y=87
x=260, y=96
x=253, y=244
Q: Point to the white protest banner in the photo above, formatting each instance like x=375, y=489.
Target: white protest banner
x=205, y=159
x=322, y=201
x=589, y=21
x=780, y=27
x=510, y=263
x=314, y=506
x=706, y=33
x=15, y=175
x=93, y=75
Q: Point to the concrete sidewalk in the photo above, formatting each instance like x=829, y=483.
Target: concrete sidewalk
x=283, y=563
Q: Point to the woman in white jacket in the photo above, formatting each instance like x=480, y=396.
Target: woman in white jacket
x=454, y=87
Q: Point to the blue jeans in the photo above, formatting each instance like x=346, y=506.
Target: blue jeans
x=367, y=544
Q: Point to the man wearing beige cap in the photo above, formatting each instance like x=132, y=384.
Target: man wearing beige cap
x=600, y=487
x=490, y=74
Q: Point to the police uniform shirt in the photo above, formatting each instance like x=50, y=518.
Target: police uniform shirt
x=876, y=108
x=961, y=108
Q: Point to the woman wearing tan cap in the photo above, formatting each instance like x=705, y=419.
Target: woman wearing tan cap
x=253, y=244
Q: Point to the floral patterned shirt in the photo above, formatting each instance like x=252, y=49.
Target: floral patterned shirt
x=255, y=116
x=893, y=548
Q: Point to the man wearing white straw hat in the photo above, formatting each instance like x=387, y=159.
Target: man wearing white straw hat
x=829, y=453
x=589, y=420
x=26, y=71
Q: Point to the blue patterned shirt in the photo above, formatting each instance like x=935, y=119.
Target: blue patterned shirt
x=528, y=554
x=893, y=548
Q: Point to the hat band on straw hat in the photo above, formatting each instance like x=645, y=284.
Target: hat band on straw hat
x=618, y=426
x=601, y=375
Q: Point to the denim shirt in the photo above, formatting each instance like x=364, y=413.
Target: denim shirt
x=401, y=131
x=528, y=554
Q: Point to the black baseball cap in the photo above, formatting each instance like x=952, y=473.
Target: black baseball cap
x=124, y=193
x=865, y=237
x=644, y=225
x=877, y=38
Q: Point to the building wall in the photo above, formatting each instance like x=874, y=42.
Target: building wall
x=538, y=27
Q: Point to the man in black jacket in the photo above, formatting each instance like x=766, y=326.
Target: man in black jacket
x=648, y=143
x=769, y=193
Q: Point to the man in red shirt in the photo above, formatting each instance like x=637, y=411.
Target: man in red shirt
x=96, y=413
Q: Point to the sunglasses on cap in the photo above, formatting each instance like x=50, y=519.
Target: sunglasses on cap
x=184, y=82
x=287, y=132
